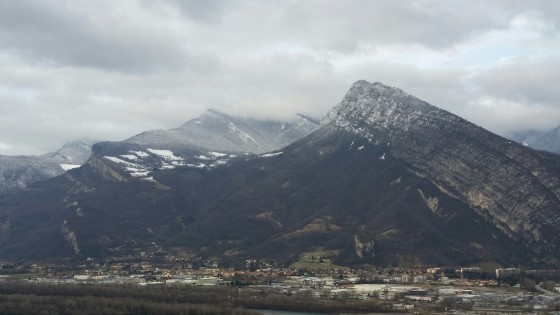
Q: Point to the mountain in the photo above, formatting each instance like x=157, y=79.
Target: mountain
x=386, y=179
x=17, y=172
x=540, y=140
x=527, y=137
x=218, y=131
x=514, y=187
x=74, y=153
x=550, y=141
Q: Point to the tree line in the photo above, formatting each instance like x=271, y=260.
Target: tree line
x=166, y=299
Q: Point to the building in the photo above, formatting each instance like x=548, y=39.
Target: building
x=503, y=273
x=419, y=279
x=405, y=278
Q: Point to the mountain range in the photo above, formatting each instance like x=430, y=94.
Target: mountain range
x=16, y=172
x=385, y=179
x=540, y=140
x=211, y=131
x=218, y=131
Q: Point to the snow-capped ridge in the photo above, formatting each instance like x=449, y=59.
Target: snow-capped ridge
x=141, y=163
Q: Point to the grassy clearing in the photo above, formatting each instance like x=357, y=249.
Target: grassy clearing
x=317, y=259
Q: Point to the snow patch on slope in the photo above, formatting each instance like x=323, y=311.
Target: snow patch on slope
x=119, y=161
x=267, y=155
x=67, y=167
x=141, y=164
x=218, y=154
x=140, y=154
x=165, y=154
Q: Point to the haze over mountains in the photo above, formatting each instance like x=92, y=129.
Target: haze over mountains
x=385, y=179
x=211, y=131
x=540, y=140
x=218, y=131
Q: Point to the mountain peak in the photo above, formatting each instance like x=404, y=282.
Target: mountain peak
x=374, y=110
x=214, y=130
x=468, y=162
x=366, y=84
x=214, y=112
x=362, y=87
x=209, y=115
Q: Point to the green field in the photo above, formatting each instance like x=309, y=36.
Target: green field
x=317, y=263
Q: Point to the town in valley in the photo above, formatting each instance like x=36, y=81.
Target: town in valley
x=423, y=289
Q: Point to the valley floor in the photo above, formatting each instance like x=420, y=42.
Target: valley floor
x=140, y=289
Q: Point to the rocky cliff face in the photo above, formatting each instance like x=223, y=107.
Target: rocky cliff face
x=514, y=186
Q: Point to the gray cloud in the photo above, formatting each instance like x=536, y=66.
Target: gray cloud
x=545, y=12
x=520, y=94
x=531, y=81
x=434, y=24
x=208, y=11
x=55, y=32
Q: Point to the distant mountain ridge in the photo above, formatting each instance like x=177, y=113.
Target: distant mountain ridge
x=17, y=172
x=212, y=140
x=76, y=152
x=212, y=131
x=218, y=131
x=540, y=140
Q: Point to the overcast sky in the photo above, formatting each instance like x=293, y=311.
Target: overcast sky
x=109, y=69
